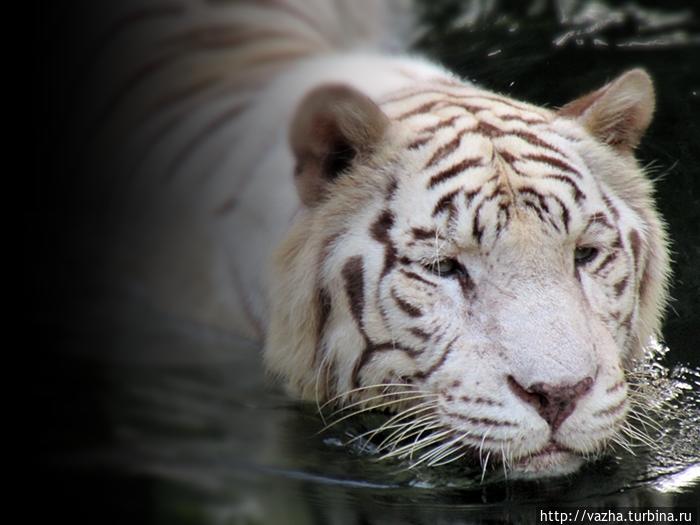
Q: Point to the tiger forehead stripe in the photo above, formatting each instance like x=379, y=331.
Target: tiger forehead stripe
x=565, y=216
x=609, y=205
x=522, y=118
x=553, y=161
x=598, y=218
x=578, y=194
x=444, y=150
x=445, y=203
x=535, y=113
x=454, y=170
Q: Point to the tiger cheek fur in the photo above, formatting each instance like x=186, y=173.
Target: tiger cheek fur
x=495, y=255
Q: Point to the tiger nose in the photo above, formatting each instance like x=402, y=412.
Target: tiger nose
x=554, y=403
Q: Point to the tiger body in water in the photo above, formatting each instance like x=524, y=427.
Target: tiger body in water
x=404, y=240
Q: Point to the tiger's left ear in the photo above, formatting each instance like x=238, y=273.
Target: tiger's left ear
x=334, y=126
x=619, y=113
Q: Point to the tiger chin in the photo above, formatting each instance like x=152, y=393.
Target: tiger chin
x=483, y=269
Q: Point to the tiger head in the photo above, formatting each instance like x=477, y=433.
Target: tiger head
x=488, y=268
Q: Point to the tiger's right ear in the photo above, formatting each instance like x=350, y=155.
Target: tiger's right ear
x=619, y=113
x=334, y=125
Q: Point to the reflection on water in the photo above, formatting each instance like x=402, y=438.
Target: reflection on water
x=193, y=409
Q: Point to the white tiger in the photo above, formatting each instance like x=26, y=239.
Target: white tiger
x=485, y=267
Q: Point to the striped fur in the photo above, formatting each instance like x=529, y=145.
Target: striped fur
x=509, y=190
x=504, y=190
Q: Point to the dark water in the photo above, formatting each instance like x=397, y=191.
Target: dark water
x=148, y=419
x=195, y=427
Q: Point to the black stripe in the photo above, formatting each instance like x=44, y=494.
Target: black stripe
x=380, y=231
x=416, y=277
x=445, y=203
x=440, y=125
x=477, y=230
x=620, y=286
x=418, y=142
x=410, y=309
x=443, y=151
x=565, y=217
x=453, y=171
x=635, y=243
x=423, y=108
x=430, y=371
x=608, y=259
x=552, y=161
x=598, y=218
x=420, y=334
x=611, y=207
x=469, y=196
x=421, y=234
x=525, y=120
x=354, y=276
x=371, y=349
x=578, y=194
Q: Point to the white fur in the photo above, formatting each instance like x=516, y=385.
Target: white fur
x=211, y=223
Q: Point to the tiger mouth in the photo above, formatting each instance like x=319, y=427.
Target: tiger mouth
x=553, y=459
x=551, y=448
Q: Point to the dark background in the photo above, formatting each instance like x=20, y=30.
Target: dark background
x=70, y=390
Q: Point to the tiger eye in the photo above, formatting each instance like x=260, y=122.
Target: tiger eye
x=446, y=268
x=584, y=254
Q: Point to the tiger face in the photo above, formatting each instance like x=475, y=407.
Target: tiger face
x=486, y=268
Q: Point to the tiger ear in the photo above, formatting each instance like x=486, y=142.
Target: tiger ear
x=619, y=113
x=333, y=126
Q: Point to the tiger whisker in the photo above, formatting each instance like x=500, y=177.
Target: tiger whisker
x=412, y=411
x=427, y=441
x=367, y=409
x=416, y=445
x=405, y=430
x=432, y=453
x=645, y=404
x=451, y=449
x=325, y=362
x=398, y=427
x=639, y=436
x=437, y=453
x=643, y=411
x=504, y=461
x=621, y=441
x=387, y=442
x=451, y=460
x=644, y=420
x=347, y=393
x=486, y=463
x=636, y=433
x=481, y=445
x=379, y=396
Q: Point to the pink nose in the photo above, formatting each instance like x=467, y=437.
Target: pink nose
x=554, y=403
